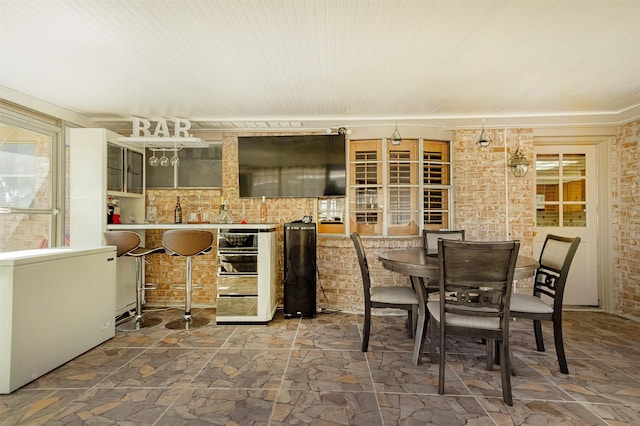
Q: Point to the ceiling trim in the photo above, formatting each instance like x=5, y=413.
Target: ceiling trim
x=452, y=122
x=279, y=124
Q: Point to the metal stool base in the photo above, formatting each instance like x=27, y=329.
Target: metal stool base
x=182, y=324
x=138, y=324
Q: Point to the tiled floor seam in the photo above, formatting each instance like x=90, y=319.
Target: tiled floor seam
x=284, y=372
x=373, y=385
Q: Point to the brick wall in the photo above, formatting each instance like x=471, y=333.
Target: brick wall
x=480, y=185
x=339, y=284
x=481, y=188
x=625, y=208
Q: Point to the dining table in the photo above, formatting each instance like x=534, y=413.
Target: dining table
x=421, y=264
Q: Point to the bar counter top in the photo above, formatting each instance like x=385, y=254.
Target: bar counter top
x=265, y=227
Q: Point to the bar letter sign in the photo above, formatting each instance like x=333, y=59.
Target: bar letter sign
x=142, y=126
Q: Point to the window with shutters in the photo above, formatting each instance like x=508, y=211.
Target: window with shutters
x=402, y=188
x=394, y=191
x=436, y=180
x=365, y=169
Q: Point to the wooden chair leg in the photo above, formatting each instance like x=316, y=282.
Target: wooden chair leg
x=366, y=330
x=557, y=338
x=490, y=343
x=505, y=372
x=412, y=321
x=442, y=360
x=537, y=330
x=432, y=340
x=422, y=323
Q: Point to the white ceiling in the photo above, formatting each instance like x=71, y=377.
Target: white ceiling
x=259, y=64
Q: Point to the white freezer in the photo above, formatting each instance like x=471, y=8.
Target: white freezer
x=55, y=304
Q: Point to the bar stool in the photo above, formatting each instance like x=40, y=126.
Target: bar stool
x=187, y=243
x=128, y=244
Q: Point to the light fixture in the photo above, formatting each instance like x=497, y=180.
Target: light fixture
x=395, y=137
x=518, y=163
x=484, y=140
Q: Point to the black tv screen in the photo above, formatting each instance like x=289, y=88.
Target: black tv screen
x=292, y=166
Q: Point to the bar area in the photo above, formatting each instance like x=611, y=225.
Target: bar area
x=319, y=212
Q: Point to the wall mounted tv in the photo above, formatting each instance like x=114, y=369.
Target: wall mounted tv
x=292, y=166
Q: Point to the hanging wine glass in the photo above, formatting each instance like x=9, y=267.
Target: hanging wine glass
x=153, y=160
x=175, y=160
x=164, y=160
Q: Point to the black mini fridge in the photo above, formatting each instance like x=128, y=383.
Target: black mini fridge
x=299, y=269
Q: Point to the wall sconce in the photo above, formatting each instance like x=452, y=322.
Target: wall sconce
x=395, y=137
x=484, y=140
x=518, y=163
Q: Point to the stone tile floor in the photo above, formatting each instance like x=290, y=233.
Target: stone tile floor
x=311, y=371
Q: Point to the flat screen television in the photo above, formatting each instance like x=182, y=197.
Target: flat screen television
x=292, y=166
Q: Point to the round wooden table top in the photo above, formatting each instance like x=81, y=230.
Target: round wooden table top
x=417, y=262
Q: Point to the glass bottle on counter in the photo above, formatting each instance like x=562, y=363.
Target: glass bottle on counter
x=110, y=208
x=152, y=211
x=177, y=212
x=224, y=216
x=116, y=213
x=263, y=210
x=221, y=208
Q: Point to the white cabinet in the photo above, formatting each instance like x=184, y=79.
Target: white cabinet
x=91, y=152
x=125, y=171
x=55, y=304
x=246, y=290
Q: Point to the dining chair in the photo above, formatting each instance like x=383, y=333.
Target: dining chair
x=476, y=281
x=545, y=304
x=430, y=237
x=383, y=296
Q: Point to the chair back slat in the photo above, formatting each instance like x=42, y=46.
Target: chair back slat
x=555, y=260
x=476, y=277
x=461, y=301
x=546, y=282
